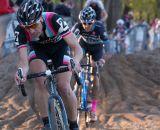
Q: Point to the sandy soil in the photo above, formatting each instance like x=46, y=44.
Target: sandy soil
x=129, y=96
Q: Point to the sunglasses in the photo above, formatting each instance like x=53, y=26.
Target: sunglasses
x=87, y=23
x=32, y=26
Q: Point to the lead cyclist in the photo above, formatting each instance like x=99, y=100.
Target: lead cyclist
x=46, y=36
x=92, y=36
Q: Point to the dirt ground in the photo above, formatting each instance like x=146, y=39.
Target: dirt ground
x=129, y=95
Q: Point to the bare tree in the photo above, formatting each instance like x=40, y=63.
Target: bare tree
x=158, y=8
x=114, y=9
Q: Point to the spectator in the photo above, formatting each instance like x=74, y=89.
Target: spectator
x=6, y=8
x=11, y=3
x=98, y=6
x=48, y=5
x=128, y=19
x=18, y=2
x=63, y=9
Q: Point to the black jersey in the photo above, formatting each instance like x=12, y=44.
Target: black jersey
x=97, y=35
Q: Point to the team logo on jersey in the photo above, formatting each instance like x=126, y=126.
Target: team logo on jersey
x=16, y=38
x=63, y=25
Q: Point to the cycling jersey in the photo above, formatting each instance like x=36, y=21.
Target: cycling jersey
x=97, y=35
x=49, y=46
x=92, y=41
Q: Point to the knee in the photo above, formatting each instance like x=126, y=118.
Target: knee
x=64, y=88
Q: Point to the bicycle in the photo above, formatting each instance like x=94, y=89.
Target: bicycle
x=58, y=119
x=83, y=90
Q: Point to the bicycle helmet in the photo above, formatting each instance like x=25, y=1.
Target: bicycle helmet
x=29, y=12
x=87, y=15
x=120, y=22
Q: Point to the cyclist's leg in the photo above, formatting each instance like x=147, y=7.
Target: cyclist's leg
x=97, y=54
x=68, y=96
x=41, y=94
x=64, y=88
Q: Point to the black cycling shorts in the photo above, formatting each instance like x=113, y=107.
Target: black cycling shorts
x=95, y=50
x=56, y=52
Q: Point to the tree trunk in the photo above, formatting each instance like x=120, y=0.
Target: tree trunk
x=114, y=9
x=158, y=9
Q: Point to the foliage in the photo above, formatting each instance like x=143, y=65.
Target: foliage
x=143, y=9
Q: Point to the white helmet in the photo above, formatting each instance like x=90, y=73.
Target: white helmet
x=120, y=21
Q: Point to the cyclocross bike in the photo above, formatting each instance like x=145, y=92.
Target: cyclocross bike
x=56, y=110
x=82, y=90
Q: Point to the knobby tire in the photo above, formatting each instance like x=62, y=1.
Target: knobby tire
x=55, y=115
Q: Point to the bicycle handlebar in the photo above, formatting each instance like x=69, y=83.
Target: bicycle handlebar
x=21, y=86
x=47, y=73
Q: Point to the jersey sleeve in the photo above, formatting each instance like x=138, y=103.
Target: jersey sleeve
x=76, y=30
x=20, y=37
x=103, y=33
x=60, y=26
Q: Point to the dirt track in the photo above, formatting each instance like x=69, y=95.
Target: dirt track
x=129, y=98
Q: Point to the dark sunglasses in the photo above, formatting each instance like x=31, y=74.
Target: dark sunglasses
x=33, y=26
x=87, y=23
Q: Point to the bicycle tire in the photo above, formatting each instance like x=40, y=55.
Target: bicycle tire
x=56, y=117
x=78, y=95
x=87, y=122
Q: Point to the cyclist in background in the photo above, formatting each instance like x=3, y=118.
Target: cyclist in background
x=92, y=37
x=119, y=34
x=48, y=37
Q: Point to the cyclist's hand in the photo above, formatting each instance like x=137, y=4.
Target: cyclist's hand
x=101, y=62
x=20, y=76
x=74, y=65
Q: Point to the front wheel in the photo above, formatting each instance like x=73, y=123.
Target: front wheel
x=57, y=117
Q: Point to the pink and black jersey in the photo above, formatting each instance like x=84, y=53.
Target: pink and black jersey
x=54, y=29
x=50, y=45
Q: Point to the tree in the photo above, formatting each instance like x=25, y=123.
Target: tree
x=114, y=9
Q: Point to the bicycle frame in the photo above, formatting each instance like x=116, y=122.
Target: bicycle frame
x=54, y=99
x=54, y=95
x=85, y=77
x=83, y=91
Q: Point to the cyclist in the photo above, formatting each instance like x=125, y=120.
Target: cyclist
x=48, y=37
x=119, y=34
x=92, y=37
x=97, y=5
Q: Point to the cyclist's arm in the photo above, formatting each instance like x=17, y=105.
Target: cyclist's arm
x=76, y=30
x=103, y=34
x=62, y=29
x=73, y=43
x=23, y=59
x=20, y=42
